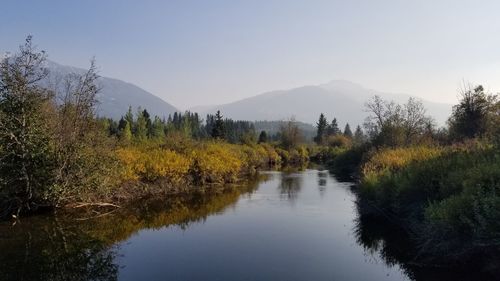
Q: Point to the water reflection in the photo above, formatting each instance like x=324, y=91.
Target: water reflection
x=46, y=249
x=75, y=246
x=290, y=185
x=322, y=181
x=249, y=232
x=387, y=241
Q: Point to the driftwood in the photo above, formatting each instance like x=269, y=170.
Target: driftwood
x=96, y=216
x=96, y=204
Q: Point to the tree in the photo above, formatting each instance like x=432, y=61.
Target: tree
x=149, y=123
x=321, y=126
x=158, y=128
x=129, y=117
x=26, y=145
x=290, y=134
x=471, y=116
x=333, y=129
x=141, y=130
x=126, y=133
x=347, y=131
x=359, y=137
x=415, y=122
x=84, y=157
x=218, y=130
x=262, y=137
x=392, y=124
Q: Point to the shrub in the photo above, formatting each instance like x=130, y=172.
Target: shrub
x=153, y=164
x=215, y=163
x=339, y=141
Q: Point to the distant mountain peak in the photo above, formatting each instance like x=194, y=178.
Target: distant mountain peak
x=341, y=99
x=116, y=95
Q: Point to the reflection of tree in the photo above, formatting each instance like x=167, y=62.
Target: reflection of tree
x=289, y=186
x=62, y=248
x=46, y=250
x=388, y=241
x=322, y=180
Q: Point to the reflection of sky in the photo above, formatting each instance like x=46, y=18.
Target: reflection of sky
x=263, y=237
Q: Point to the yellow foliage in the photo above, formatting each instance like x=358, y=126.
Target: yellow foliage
x=153, y=164
x=196, y=162
x=397, y=158
x=216, y=163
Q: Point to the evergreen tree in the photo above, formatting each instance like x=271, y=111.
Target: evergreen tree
x=121, y=124
x=359, y=136
x=129, y=117
x=347, y=131
x=218, y=131
x=158, y=128
x=333, y=129
x=141, y=130
x=322, y=127
x=149, y=124
x=263, y=137
x=126, y=133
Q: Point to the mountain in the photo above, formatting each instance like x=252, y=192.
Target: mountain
x=341, y=99
x=115, y=95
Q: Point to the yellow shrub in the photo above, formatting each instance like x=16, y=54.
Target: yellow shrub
x=153, y=164
x=132, y=163
x=397, y=158
x=216, y=163
x=165, y=163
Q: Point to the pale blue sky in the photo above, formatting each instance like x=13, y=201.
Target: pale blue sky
x=209, y=52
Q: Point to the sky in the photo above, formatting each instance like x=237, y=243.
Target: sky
x=194, y=53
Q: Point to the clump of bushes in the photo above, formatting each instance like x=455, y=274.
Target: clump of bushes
x=216, y=163
x=210, y=162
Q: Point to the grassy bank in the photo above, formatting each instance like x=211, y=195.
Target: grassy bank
x=447, y=198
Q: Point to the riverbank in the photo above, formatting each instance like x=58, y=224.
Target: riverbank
x=445, y=198
x=116, y=173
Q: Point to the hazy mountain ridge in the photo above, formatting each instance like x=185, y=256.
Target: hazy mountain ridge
x=115, y=95
x=341, y=99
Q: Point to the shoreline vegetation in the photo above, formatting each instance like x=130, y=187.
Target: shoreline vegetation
x=55, y=152
x=439, y=186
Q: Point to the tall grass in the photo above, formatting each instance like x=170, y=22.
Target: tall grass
x=448, y=197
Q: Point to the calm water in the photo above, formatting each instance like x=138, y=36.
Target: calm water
x=288, y=226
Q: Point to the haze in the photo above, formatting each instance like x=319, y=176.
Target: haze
x=211, y=52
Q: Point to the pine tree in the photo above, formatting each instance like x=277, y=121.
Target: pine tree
x=129, y=117
x=141, y=130
x=333, y=129
x=126, y=133
x=263, y=137
x=347, y=131
x=158, y=128
x=121, y=124
x=149, y=124
x=359, y=136
x=218, y=130
x=322, y=127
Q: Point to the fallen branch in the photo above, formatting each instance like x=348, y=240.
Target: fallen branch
x=96, y=204
x=97, y=216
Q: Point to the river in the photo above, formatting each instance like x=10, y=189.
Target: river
x=284, y=226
